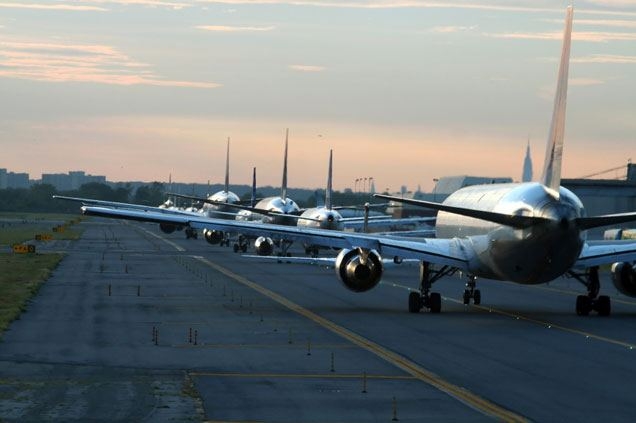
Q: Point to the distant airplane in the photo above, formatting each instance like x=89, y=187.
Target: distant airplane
x=219, y=204
x=528, y=233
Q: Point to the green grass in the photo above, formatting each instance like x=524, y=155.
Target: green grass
x=28, y=225
x=21, y=278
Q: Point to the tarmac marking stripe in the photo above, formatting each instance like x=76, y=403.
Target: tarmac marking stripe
x=559, y=327
x=301, y=376
x=540, y=322
x=461, y=394
x=167, y=241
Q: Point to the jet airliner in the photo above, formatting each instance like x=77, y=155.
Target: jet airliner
x=528, y=233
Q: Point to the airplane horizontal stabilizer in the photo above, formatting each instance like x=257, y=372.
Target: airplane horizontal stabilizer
x=606, y=220
x=518, y=222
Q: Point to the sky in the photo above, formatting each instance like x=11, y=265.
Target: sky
x=403, y=91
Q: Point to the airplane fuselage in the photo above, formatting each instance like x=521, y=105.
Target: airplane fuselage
x=321, y=218
x=537, y=254
x=275, y=205
x=220, y=211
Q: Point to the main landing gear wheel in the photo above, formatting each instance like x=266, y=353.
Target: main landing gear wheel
x=425, y=298
x=471, y=292
x=602, y=305
x=592, y=301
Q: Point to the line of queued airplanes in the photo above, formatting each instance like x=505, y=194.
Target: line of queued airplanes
x=528, y=233
x=276, y=210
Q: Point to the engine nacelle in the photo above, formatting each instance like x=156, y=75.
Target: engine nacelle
x=264, y=246
x=356, y=273
x=167, y=228
x=212, y=236
x=624, y=278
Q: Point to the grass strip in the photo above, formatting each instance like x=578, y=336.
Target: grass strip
x=21, y=277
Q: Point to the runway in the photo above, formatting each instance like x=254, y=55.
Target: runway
x=139, y=325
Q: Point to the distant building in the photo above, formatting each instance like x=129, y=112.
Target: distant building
x=71, y=181
x=527, y=166
x=18, y=180
x=3, y=179
x=444, y=187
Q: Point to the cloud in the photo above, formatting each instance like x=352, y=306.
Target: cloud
x=224, y=28
x=614, y=23
x=452, y=29
x=584, y=82
x=40, y=6
x=593, y=37
x=307, y=68
x=605, y=58
x=151, y=3
x=59, y=62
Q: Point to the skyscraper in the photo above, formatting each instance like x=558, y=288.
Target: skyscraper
x=527, y=166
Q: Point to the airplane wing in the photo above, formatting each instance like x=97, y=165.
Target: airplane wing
x=596, y=253
x=323, y=261
x=446, y=252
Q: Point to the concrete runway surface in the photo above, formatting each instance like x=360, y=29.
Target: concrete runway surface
x=136, y=325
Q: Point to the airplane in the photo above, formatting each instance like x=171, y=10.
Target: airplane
x=321, y=217
x=528, y=233
x=219, y=206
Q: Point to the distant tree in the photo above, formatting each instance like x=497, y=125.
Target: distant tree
x=150, y=195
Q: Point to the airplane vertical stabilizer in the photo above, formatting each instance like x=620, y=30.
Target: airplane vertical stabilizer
x=283, y=191
x=551, y=177
x=227, y=167
x=253, y=199
x=329, y=184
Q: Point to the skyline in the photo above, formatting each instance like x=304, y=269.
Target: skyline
x=403, y=91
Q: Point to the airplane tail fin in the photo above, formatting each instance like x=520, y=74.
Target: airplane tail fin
x=328, y=204
x=551, y=177
x=253, y=199
x=227, y=167
x=283, y=191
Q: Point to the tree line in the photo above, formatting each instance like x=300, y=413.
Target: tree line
x=38, y=198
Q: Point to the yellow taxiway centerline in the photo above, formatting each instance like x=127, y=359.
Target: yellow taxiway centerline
x=412, y=368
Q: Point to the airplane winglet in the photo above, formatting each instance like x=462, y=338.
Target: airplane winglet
x=551, y=177
x=227, y=167
x=328, y=204
x=283, y=191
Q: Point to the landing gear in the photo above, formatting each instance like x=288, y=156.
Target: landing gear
x=592, y=301
x=191, y=233
x=425, y=298
x=240, y=244
x=471, y=292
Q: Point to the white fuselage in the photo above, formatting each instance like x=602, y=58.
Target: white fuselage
x=220, y=211
x=534, y=255
x=321, y=218
x=275, y=205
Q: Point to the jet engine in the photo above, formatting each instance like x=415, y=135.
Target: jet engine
x=359, y=270
x=167, y=228
x=212, y=236
x=264, y=246
x=624, y=278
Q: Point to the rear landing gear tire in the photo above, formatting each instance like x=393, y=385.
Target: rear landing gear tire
x=477, y=297
x=435, y=302
x=415, y=302
x=603, y=305
x=583, y=305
